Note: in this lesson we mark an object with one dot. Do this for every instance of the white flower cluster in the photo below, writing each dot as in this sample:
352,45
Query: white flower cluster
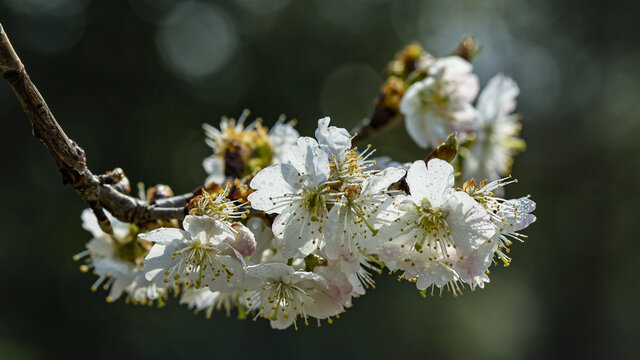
442,103
317,223
291,228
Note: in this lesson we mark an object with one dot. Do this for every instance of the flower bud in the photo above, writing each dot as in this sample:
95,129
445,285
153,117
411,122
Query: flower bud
244,241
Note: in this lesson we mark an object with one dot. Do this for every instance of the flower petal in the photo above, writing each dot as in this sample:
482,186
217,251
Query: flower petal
433,183
273,182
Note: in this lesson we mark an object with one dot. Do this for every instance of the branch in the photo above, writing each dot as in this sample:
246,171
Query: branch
99,191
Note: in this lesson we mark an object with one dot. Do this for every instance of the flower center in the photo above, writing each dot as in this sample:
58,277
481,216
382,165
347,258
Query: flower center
436,235
283,300
199,259
315,203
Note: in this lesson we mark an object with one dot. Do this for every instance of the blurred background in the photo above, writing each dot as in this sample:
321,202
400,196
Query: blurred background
132,82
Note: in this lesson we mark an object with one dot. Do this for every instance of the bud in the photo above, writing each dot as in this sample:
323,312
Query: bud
312,260
159,191
446,151
245,242
468,48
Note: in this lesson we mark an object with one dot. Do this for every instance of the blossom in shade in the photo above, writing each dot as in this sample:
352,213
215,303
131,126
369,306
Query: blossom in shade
254,146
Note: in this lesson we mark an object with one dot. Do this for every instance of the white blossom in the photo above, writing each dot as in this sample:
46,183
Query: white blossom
206,253
440,103
279,293
496,142
433,228
298,192
113,258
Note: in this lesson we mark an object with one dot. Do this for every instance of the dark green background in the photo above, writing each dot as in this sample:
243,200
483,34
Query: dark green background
111,74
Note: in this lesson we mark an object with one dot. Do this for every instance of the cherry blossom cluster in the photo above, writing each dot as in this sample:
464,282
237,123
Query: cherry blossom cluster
292,228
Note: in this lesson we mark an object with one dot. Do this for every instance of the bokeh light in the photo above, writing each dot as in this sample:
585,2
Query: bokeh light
196,39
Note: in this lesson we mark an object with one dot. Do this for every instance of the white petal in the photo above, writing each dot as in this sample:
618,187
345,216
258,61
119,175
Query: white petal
475,263
298,235
101,246
498,98
307,157
452,67
417,128
158,259
272,183
164,236
324,305
214,166
468,221
206,229
113,266
381,181
221,283
334,140
118,287
516,214
281,137
433,183
90,223
434,273
306,280
274,271
244,242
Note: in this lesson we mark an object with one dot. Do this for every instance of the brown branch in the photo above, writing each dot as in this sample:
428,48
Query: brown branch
99,191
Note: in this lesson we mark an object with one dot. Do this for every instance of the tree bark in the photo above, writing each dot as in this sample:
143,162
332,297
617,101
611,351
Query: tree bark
100,192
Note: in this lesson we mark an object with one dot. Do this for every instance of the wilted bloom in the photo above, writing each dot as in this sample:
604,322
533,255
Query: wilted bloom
253,147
